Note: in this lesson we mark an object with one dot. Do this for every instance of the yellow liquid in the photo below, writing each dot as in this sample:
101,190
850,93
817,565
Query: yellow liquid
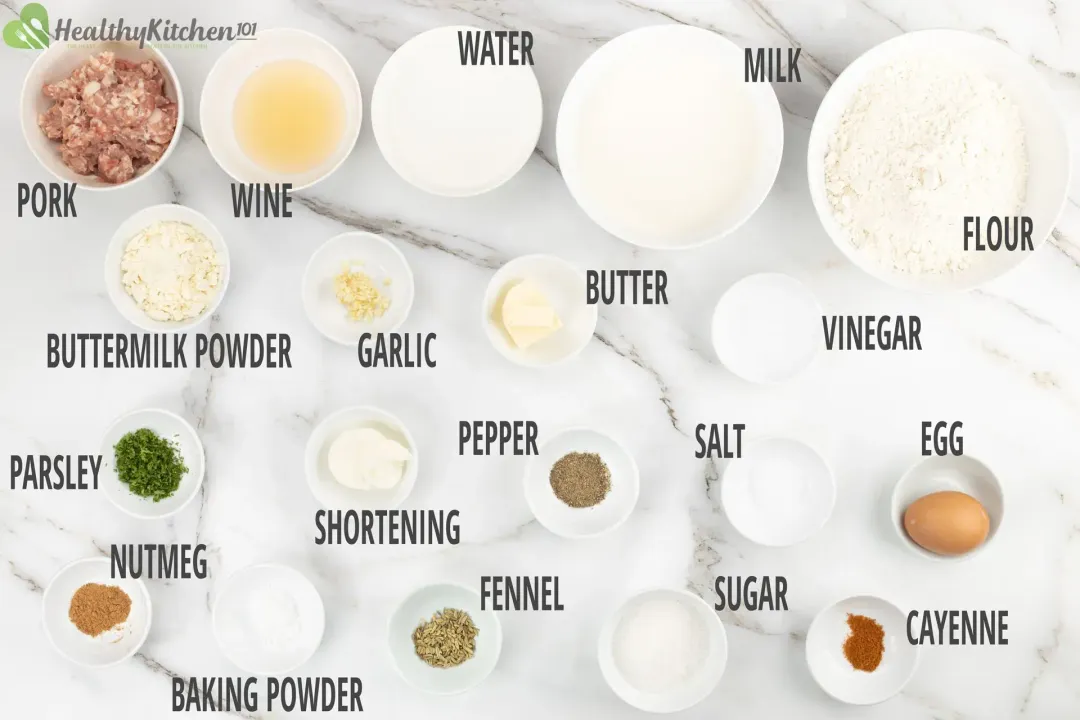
289,116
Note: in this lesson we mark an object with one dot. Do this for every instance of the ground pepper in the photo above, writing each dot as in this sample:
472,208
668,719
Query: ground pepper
865,645
580,480
96,608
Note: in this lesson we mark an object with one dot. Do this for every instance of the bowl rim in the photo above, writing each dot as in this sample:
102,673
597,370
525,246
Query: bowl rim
814,170
52,640
311,453
276,567
491,293
571,92
607,636
198,444
43,60
390,638
772,382
216,238
215,70
531,467
830,472
818,618
896,513
307,279
411,178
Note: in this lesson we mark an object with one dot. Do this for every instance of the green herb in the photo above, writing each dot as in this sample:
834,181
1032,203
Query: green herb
148,464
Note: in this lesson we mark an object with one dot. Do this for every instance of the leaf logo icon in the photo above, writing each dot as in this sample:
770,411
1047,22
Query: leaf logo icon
31,30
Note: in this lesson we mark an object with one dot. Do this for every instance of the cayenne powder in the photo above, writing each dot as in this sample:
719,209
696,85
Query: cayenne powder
96,608
866,643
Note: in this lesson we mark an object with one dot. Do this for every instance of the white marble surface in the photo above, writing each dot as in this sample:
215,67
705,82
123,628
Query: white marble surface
1005,360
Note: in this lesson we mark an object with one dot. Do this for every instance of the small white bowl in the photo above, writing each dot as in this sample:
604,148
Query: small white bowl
114,254
1049,166
419,607
698,687
381,260
171,427
651,56
237,632
56,63
564,286
779,493
440,144
832,671
333,494
110,647
936,474
569,522
234,67
767,328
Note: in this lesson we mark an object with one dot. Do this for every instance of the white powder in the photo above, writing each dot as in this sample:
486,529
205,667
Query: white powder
922,144
660,645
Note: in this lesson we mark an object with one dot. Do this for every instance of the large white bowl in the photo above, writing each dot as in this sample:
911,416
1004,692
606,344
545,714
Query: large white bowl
170,427
564,287
650,42
934,474
112,646
570,522
56,63
234,67
1047,146
381,260
825,652
333,494
231,615
698,687
436,139
114,254
419,607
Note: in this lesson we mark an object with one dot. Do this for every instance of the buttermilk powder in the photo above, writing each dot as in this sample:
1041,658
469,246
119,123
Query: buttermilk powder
922,144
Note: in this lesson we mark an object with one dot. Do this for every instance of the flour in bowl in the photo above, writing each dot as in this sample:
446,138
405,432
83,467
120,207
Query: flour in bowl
923,143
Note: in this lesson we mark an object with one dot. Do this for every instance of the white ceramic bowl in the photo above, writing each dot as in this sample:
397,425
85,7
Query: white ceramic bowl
439,143
333,494
936,474
633,59
697,687
237,627
56,63
234,67
569,522
170,427
114,254
381,260
112,646
419,607
1047,145
779,493
832,671
564,286
767,328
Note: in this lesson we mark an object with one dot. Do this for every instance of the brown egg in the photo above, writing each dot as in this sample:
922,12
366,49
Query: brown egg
947,523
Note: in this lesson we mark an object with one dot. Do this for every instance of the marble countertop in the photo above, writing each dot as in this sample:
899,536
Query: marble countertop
1004,359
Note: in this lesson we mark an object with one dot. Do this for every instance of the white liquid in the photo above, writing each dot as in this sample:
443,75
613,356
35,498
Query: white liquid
668,142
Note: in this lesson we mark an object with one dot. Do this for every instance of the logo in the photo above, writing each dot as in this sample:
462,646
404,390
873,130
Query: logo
31,30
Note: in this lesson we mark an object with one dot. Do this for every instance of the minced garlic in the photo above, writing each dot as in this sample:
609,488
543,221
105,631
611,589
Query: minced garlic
355,290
